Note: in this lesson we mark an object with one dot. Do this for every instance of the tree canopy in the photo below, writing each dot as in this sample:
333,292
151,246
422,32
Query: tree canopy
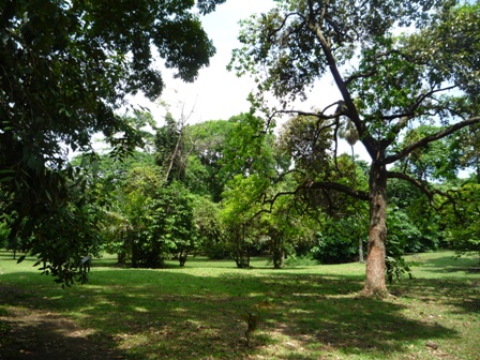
396,64
65,68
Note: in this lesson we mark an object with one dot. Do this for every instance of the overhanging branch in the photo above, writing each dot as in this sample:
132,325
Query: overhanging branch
330,185
430,138
430,193
285,18
327,185
418,184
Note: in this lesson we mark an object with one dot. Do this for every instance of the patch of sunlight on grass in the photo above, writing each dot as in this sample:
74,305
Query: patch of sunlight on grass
300,311
128,341
282,346
140,309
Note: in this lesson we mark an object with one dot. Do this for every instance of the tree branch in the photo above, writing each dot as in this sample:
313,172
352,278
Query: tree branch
361,195
320,115
274,31
418,184
430,138
411,112
353,114
430,193
359,76
330,185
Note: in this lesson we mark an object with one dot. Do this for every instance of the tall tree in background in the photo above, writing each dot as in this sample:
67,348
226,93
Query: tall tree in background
205,144
65,67
248,167
169,143
396,64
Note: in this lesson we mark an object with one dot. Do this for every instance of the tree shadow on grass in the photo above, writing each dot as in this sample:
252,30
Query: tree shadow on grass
36,335
463,295
450,264
175,315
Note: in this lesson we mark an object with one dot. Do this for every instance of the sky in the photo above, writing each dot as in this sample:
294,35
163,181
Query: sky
217,94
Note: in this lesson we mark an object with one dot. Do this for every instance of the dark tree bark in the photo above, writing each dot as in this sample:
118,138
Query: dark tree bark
278,258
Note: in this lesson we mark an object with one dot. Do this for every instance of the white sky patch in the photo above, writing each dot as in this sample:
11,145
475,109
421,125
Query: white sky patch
217,94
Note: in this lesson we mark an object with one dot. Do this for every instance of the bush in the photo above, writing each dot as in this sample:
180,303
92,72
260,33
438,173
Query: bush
336,243
403,235
306,260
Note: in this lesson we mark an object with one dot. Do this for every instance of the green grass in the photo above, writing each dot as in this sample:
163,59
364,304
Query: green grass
196,312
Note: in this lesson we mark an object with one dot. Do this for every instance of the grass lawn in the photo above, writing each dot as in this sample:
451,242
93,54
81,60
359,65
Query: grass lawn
197,312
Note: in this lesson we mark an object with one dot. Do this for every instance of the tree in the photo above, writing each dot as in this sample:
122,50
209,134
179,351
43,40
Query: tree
249,167
64,70
169,143
396,64
150,221
285,228
460,220
210,229
107,185
205,143
175,221
240,206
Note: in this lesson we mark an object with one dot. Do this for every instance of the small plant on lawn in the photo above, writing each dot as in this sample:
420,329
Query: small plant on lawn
252,317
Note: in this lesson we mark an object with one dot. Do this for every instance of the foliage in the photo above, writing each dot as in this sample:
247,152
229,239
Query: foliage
435,162
299,261
211,233
64,70
465,147
397,268
403,235
396,65
206,144
160,219
461,219
296,139
337,241
169,144
249,149
412,208
4,231
194,154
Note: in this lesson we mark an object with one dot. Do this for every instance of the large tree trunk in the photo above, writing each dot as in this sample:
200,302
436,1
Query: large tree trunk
375,284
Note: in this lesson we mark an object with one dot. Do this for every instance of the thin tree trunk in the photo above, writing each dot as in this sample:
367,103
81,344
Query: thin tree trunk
360,240
375,284
172,160
477,166
360,249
